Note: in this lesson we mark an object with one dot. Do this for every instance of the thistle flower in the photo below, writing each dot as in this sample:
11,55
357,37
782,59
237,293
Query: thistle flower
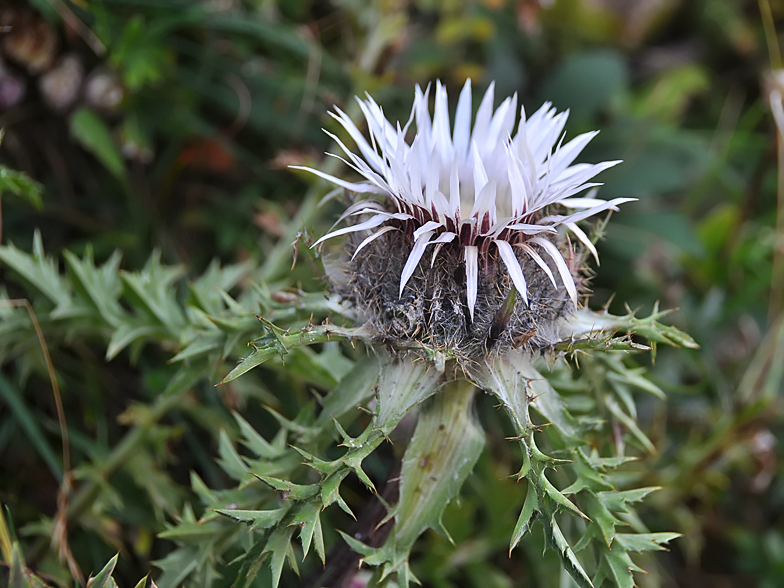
488,204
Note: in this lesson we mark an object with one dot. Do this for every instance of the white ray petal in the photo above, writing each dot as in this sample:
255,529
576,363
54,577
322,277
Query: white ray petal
515,271
413,259
516,183
378,125
480,175
445,237
362,168
368,224
442,207
578,216
485,202
581,202
528,229
539,261
565,194
560,264
368,152
329,196
359,165
368,118
494,133
374,205
382,212
442,139
502,124
431,181
429,226
569,152
579,174
358,188
439,242
372,238
423,112
471,253
524,153
580,234
454,193
483,116
435,254
463,122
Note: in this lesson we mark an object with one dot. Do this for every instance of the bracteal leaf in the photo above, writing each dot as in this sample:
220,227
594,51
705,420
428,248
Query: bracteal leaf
257,519
530,508
103,579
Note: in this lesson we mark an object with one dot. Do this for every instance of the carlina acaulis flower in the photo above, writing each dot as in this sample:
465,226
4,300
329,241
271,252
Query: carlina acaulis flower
459,240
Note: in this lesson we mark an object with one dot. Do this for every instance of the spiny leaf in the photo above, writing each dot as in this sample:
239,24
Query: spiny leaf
634,377
530,508
206,495
601,517
629,423
104,578
570,561
330,492
150,290
192,531
267,348
206,289
308,519
358,546
289,489
255,442
619,566
556,496
252,560
230,460
645,541
649,327
203,343
402,386
354,389
100,286
609,462
279,544
618,501
129,332
38,270
318,540
20,185
324,467
257,519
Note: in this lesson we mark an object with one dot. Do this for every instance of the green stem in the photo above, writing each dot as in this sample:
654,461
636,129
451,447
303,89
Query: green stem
444,449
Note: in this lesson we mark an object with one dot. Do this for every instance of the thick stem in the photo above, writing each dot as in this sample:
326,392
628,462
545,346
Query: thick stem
444,449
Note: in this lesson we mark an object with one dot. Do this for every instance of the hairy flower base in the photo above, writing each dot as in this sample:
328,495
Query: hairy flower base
432,313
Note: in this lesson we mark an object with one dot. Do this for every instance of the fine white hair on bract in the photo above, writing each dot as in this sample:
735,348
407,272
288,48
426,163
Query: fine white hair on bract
477,185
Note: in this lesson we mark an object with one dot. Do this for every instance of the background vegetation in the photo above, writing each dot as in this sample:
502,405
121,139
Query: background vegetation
154,136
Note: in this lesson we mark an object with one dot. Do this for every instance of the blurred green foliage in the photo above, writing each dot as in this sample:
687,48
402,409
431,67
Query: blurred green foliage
176,140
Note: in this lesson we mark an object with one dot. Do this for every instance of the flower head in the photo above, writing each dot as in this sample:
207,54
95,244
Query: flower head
474,195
